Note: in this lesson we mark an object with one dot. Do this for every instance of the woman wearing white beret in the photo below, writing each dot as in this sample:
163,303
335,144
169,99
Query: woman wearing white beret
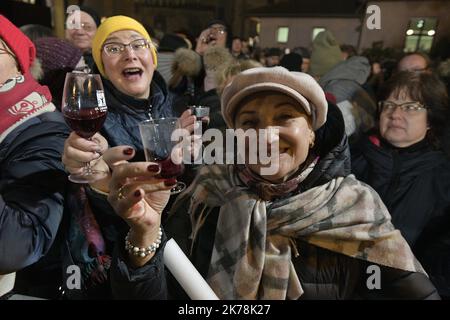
309,230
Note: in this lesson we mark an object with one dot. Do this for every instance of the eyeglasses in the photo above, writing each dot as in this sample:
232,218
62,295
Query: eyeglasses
116,48
219,30
6,51
71,25
212,32
408,107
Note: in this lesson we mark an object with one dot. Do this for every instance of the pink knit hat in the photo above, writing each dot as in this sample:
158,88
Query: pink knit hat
300,86
18,42
57,54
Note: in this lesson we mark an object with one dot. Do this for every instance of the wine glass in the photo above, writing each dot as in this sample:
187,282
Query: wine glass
84,109
200,112
158,145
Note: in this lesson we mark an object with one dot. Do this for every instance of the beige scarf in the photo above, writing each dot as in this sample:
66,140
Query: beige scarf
252,253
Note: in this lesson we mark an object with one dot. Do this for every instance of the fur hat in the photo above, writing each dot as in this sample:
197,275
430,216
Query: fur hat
216,58
298,85
186,63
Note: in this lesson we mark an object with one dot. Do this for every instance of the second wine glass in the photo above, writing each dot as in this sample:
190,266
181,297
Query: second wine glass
84,109
158,145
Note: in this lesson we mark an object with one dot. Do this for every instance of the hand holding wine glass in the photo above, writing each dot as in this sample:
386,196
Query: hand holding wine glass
84,109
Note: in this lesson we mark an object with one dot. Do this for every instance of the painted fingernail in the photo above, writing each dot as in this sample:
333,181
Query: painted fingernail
170,182
97,150
128,152
153,168
137,193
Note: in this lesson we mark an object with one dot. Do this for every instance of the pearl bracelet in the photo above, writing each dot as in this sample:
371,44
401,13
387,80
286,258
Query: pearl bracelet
142,252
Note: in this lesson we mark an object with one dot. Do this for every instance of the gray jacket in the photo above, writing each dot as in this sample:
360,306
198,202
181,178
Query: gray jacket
345,82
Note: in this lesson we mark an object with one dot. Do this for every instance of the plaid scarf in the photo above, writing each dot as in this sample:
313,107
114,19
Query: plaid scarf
269,191
252,253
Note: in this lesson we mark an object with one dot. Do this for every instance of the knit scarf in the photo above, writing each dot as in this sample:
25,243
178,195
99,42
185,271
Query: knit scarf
252,253
22,98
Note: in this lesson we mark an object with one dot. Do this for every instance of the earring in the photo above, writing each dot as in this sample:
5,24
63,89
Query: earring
311,143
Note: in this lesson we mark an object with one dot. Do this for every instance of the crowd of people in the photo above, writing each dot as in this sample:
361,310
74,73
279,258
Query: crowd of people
363,177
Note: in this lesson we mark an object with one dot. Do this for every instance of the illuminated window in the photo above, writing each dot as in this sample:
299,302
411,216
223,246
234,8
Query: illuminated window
316,31
420,34
283,34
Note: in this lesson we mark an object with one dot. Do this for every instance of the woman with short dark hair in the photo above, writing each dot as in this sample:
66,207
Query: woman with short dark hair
404,162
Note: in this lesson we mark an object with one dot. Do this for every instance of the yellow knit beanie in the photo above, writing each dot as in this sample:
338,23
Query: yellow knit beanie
111,25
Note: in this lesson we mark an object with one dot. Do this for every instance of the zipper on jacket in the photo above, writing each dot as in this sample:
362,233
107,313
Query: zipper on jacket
150,109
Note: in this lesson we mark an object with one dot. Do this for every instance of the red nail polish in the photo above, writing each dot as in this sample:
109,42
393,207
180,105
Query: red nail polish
170,182
153,168
128,152
137,193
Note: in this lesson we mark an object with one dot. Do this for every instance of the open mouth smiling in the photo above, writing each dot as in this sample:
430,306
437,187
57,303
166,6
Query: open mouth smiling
132,73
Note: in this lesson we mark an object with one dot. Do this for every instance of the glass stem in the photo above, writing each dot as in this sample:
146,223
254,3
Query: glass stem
87,167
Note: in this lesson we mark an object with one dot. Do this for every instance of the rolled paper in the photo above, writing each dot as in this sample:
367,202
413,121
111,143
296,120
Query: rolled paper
186,274
7,283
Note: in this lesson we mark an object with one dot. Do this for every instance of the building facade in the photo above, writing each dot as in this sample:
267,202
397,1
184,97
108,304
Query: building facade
407,25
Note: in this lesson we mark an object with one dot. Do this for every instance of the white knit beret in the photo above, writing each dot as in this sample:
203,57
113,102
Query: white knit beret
300,86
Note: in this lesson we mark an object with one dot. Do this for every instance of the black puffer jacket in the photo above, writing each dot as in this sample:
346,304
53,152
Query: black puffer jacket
33,184
414,183
323,274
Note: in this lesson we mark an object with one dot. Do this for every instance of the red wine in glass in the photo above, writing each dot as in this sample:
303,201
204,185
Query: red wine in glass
169,170
86,122
157,139
84,109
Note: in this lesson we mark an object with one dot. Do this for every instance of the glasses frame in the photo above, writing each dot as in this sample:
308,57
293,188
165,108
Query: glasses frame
88,27
125,45
403,106
85,26
219,30
5,50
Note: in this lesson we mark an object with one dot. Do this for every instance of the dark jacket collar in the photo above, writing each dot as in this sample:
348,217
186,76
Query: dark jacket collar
333,150
159,103
411,160
421,146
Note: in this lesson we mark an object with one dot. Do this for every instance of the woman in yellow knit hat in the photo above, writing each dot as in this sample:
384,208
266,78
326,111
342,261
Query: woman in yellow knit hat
126,59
